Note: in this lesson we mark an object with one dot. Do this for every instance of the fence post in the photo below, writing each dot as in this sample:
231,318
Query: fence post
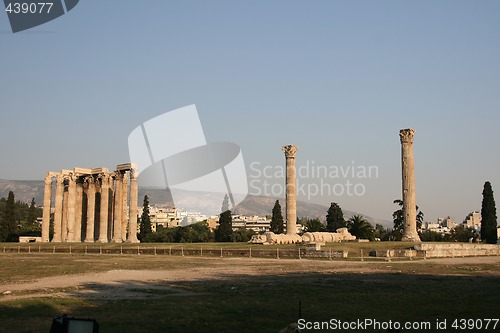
138,250
19,249
100,249
121,249
201,250
29,248
250,255
70,249
299,254
182,251
54,250
155,250
277,253
221,252
85,249
170,251
39,249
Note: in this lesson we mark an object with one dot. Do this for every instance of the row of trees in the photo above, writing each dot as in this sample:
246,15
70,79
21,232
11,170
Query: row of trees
18,219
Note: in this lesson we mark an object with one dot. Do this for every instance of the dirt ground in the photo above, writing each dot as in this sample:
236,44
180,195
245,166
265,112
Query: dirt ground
133,284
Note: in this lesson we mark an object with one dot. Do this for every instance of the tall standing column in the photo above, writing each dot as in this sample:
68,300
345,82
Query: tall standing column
103,223
117,215
71,207
47,194
291,190
409,197
89,238
79,211
58,209
64,226
134,196
124,206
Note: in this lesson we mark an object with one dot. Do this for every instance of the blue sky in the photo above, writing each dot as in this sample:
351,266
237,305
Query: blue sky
337,78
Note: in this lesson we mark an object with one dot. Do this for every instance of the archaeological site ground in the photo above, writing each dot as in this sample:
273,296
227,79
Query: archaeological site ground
202,292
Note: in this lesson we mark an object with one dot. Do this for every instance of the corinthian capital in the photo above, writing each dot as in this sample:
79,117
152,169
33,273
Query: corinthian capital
406,135
290,151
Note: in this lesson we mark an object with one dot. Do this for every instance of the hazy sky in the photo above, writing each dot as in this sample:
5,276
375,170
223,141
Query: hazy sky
337,78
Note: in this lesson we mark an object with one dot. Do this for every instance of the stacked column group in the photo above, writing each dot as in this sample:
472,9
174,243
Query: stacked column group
92,205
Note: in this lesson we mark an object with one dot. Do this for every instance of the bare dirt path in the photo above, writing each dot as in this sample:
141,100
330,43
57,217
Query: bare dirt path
121,284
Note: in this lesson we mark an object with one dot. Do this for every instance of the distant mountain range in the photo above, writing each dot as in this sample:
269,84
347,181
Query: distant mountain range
25,190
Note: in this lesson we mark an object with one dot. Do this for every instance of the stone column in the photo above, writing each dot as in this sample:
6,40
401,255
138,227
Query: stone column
291,190
117,220
64,226
47,195
89,236
58,209
409,198
124,206
71,207
103,223
134,197
79,211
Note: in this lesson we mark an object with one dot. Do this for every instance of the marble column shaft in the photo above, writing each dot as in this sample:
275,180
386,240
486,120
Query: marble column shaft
408,184
58,209
78,212
124,206
47,196
291,190
71,208
103,223
89,237
134,196
117,215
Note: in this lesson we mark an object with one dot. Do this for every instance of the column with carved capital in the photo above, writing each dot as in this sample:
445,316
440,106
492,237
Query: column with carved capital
117,215
291,189
71,207
410,233
64,226
134,197
47,194
89,235
78,210
58,209
124,206
103,223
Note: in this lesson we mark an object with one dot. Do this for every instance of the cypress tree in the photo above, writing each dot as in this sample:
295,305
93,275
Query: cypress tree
145,224
31,221
277,219
10,219
224,231
335,218
488,216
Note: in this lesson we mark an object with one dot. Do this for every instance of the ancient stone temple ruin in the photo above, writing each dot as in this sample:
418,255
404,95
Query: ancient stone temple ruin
92,205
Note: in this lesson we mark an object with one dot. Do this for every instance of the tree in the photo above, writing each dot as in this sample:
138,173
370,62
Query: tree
334,218
358,226
10,232
31,221
314,225
488,216
398,219
145,221
224,231
277,219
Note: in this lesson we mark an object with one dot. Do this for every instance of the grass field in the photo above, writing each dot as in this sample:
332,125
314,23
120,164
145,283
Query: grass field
211,294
